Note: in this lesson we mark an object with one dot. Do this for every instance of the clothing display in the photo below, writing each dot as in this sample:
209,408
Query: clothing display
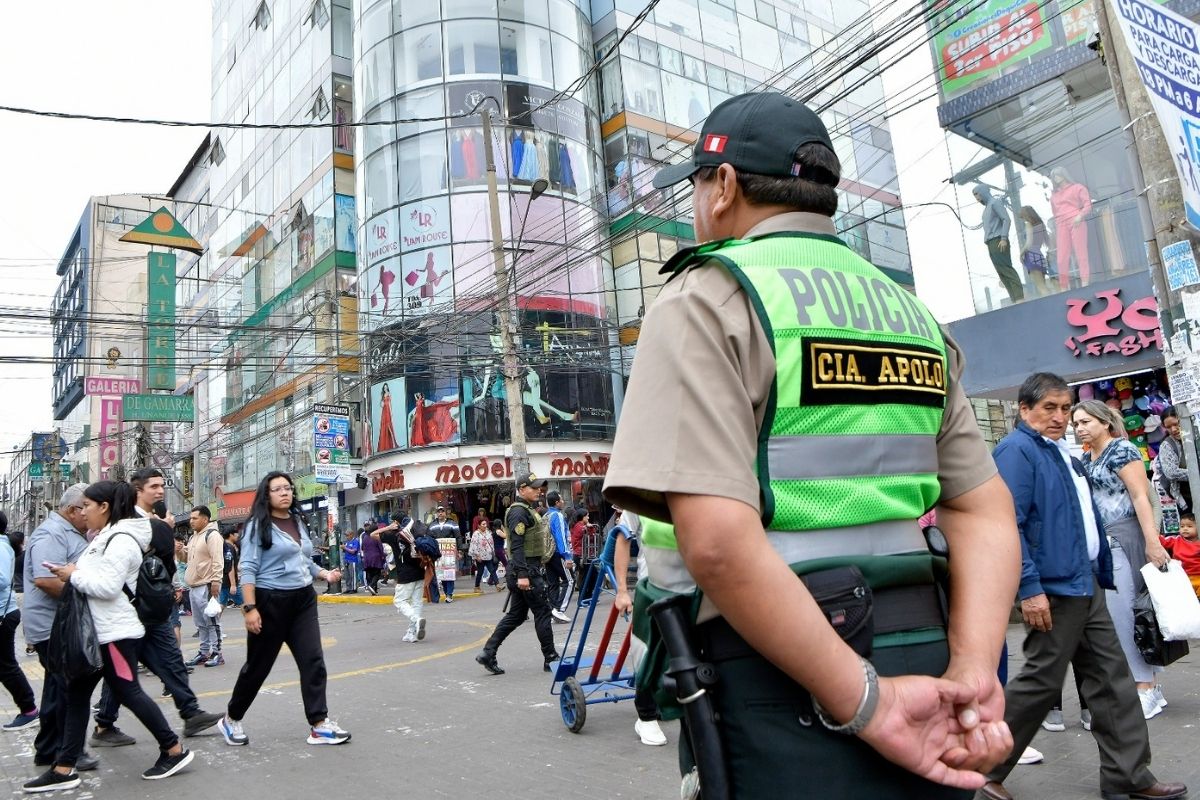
530,166
432,423
518,150
1141,400
1070,204
387,429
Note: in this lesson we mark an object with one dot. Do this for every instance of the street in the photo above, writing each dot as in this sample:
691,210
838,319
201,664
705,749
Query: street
428,720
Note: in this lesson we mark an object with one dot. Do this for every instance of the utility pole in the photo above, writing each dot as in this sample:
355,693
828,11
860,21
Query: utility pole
1154,169
507,310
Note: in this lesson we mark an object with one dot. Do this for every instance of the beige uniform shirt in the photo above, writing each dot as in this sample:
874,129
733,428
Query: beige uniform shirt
698,393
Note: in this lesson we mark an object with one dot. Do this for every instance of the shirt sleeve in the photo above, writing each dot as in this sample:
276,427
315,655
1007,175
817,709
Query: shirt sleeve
963,459
250,556
697,395
1123,452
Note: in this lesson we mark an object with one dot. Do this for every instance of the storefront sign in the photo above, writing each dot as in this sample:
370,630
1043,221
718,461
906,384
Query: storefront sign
160,318
160,407
382,237
1110,325
975,42
331,443
485,469
1165,47
111,387
110,434
235,505
425,224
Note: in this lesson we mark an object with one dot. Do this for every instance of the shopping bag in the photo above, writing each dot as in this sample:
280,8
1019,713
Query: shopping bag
74,650
1175,602
1156,650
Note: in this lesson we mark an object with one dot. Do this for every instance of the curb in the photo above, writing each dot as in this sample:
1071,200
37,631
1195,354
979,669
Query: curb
352,599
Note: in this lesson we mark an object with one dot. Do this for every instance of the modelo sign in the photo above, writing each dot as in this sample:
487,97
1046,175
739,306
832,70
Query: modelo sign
486,470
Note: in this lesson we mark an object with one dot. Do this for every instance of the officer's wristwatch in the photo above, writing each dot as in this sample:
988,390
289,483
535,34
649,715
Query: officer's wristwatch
246,609
866,707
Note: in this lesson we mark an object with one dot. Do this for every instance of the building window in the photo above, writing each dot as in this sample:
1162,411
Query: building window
318,15
320,106
262,17
217,154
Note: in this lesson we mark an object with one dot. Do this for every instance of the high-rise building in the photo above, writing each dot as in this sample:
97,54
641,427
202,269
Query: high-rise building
268,312
591,98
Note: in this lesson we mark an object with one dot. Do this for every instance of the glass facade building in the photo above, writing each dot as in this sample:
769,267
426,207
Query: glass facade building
267,313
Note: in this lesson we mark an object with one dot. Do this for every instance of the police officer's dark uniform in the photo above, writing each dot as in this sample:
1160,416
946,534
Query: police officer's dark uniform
528,543
767,373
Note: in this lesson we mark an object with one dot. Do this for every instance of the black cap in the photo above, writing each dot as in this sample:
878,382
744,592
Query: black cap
530,479
758,132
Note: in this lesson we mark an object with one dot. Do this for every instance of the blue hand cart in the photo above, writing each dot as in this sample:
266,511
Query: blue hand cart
580,682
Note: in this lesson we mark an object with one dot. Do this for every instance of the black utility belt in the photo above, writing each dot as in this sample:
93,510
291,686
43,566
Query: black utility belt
857,613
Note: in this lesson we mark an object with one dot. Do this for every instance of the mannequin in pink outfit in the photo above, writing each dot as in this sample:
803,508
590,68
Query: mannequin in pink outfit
1070,204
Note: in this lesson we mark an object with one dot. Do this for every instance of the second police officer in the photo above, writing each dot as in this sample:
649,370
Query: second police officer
529,543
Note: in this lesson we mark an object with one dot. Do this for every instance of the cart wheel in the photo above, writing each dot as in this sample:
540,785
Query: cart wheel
573,705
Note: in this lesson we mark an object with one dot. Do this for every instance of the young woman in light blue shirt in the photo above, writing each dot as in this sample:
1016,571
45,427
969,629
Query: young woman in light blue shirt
277,570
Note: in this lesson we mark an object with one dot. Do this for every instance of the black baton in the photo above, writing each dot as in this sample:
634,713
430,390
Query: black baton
691,680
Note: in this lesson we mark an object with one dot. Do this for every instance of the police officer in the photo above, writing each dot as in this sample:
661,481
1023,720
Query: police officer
529,544
792,411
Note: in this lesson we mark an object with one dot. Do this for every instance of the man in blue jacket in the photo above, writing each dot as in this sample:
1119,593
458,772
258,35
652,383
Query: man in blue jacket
1065,565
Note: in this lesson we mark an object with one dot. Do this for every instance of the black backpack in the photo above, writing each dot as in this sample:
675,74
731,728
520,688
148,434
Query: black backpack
155,594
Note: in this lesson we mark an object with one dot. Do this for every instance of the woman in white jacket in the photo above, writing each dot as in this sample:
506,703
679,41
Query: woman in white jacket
106,569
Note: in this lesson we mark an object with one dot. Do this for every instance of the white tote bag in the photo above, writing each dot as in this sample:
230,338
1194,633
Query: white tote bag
1175,602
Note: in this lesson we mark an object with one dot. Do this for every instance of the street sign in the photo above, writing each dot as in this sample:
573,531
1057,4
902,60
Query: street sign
160,407
65,470
331,443
35,469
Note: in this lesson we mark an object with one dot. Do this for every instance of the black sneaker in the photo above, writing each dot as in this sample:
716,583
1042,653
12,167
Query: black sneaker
488,660
111,737
168,765
550,659
200,721
51,781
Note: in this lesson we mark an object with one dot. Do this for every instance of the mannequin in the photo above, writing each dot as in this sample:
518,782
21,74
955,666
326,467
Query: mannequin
1070,204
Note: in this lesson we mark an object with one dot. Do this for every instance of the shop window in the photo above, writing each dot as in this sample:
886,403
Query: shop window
415,12
418,54
643,94
380,178
467,157
534,12
376,26
472,47
428,103
570,63
377,75
720,27
455,9
423,167
525,52
687,101
563,15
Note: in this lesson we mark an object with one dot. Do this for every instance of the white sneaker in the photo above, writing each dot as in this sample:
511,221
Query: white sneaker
420,629
1054,721
328,732
1150,706
1031,756
1085,719
409,637
231,729
650,733
558,615
1162,701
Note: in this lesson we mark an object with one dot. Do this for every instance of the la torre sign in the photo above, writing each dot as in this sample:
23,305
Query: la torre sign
466,471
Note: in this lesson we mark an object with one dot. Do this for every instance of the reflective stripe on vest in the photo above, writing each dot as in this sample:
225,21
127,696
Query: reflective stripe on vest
847,457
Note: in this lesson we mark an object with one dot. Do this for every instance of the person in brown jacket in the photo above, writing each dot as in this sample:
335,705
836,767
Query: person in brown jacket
203,577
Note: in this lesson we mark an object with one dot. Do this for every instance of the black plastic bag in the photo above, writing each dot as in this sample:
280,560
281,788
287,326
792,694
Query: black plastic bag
74,650
1149,639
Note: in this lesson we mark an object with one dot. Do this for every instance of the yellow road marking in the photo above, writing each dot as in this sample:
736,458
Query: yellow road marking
453,651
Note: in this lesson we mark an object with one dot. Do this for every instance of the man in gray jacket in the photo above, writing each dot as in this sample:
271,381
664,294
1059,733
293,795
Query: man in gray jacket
58,540
995,236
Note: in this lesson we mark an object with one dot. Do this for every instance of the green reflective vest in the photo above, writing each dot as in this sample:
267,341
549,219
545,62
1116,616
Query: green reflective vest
847,454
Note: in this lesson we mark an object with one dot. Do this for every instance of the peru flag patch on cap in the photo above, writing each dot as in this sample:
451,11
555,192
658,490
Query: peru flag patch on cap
714,143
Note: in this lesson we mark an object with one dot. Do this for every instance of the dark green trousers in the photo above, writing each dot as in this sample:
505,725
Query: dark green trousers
776,747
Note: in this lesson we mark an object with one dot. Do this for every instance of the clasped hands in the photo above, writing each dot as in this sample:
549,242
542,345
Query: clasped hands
949,730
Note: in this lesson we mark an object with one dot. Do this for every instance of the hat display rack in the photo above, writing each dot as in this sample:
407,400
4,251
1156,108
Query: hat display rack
1141,400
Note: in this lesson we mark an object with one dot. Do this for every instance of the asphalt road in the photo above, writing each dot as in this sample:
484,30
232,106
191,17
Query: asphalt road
428,721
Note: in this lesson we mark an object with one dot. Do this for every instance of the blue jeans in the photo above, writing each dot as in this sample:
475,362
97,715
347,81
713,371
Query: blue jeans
159,651
226,595
483,566
447,588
